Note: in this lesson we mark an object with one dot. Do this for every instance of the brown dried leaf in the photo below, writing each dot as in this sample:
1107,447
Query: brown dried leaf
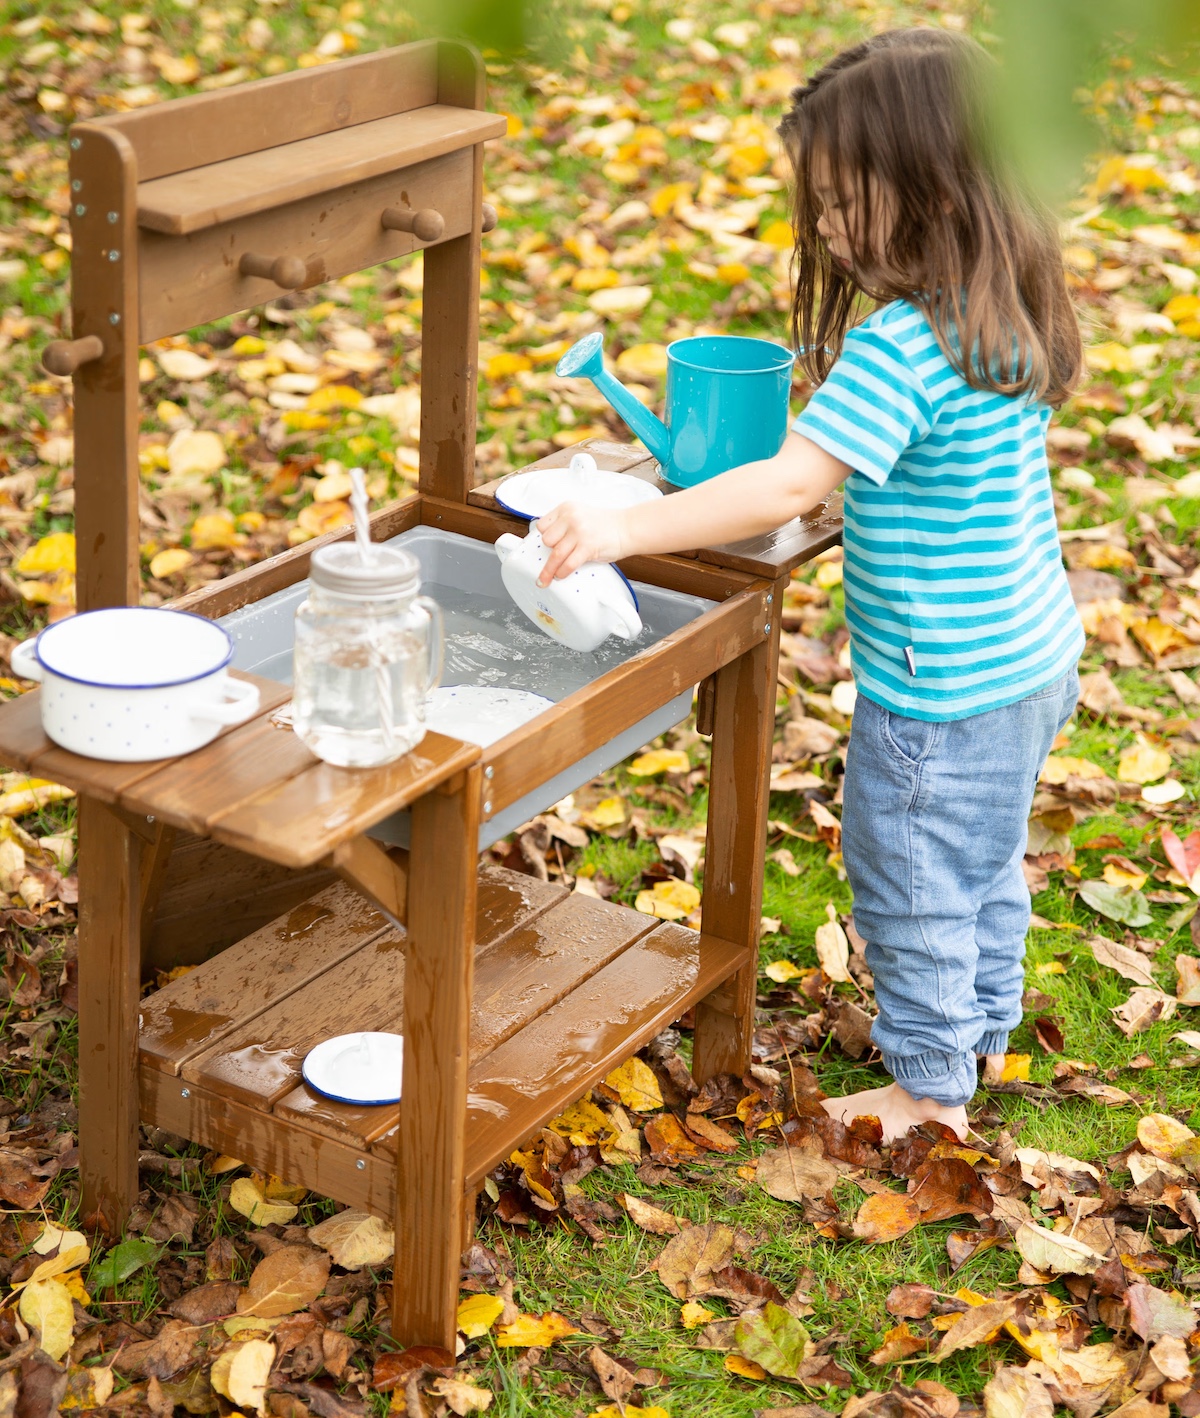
947,1187
649,1218
793,1173
1054,1252
668,1143
1187,972
614,1378
1013,1393
207,1303
1129,963
899,1343
1153,1313
911,1302
1163,1135
709,1134
886,1216
687,1263
978,1325
285,1281
1142,1009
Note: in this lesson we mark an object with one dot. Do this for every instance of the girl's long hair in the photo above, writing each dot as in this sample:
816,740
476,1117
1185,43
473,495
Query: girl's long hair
903,119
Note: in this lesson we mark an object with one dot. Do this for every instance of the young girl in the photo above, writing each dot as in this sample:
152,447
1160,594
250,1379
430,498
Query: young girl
933,412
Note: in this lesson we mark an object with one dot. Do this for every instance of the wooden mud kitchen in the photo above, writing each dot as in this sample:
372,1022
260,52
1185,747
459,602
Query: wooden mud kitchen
252,859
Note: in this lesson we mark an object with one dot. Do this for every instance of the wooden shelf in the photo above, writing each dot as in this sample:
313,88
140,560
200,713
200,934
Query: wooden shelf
566,987
256,182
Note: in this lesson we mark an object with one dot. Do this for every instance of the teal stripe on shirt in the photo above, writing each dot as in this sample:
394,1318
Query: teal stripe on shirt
951,545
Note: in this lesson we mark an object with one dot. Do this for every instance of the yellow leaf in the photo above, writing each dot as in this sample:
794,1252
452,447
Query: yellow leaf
53,553
70,1259
648,361
215,530
478,1313
1050,967
335,486
733,272
1116,877
241,1371
591,279
55,1238
1058,768
1182,307
526,1331
583,1123
781,971
669,900
744,1368
693,1315
334,396
321,517
195,452
1143,764
301,420
185,364
659,760
1109,358
60,591
1016,1068
463,1397
246,345
829,574
637,1086
1163,1135
247,1198
667,199
779,235
608,812
621,300
170,562
505,365
250,521
74,1283
1158,636
46,1307
355,1239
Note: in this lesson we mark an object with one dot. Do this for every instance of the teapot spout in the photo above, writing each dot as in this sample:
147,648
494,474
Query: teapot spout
586,358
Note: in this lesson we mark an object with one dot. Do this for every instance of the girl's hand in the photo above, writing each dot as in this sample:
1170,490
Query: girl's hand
576,534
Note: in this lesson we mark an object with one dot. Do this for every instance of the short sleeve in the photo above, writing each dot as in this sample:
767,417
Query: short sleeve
871,407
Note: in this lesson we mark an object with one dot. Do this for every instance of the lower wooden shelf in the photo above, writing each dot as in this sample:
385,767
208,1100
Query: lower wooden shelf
566,988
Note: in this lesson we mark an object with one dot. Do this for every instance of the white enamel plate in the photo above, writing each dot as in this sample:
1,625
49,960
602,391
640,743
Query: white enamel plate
480,713
540,490
363,1068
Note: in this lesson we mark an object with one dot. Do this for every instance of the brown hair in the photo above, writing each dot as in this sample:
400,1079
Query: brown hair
905,115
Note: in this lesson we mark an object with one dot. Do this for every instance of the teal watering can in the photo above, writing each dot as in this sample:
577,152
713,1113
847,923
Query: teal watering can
727,402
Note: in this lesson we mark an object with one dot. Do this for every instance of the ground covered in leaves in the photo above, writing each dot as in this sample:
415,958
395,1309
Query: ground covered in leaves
657,1248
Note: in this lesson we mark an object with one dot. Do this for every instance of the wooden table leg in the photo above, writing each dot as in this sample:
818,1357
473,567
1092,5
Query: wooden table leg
439,961
109,970
739,782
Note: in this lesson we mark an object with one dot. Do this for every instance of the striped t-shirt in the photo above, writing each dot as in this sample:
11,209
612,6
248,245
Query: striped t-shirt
956,598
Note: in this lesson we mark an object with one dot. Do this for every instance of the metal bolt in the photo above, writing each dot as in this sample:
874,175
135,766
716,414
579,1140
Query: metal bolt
79,209
149,815
767,628
112,216
361,1165
115,319
487,807
114,255
76,144
77,185
187,1093
770,597
489,772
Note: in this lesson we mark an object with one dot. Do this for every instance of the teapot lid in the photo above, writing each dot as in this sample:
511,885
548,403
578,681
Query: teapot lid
388,572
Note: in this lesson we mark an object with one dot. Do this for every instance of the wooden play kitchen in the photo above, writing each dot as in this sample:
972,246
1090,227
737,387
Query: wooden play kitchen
252,859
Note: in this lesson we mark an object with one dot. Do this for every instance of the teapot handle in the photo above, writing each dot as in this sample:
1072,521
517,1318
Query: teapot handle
437,640
628,623
506,544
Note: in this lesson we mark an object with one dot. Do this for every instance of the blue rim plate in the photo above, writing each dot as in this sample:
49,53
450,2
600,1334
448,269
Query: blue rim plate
54,632
638,489
318,1057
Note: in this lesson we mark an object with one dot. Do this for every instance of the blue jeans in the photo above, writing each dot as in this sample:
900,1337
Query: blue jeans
933,833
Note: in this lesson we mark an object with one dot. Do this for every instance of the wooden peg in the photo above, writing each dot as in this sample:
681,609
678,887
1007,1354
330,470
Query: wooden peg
64,357
490,217
286,271
425,225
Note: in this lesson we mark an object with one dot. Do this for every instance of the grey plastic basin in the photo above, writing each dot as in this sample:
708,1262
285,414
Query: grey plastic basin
489,641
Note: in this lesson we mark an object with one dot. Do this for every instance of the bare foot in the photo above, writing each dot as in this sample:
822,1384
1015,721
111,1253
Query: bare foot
993,1068
896,1110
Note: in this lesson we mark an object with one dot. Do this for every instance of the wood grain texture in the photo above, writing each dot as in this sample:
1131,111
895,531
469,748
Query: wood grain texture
189,1015
187,280
379,873
302,820
243,186
109,963
738,792
430,1152
22,738
104,297
208,128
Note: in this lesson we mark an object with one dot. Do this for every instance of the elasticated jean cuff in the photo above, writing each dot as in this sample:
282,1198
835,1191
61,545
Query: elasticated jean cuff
995,1042
948,1079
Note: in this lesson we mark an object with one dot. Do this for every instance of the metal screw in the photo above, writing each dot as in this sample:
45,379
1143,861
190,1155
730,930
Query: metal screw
187,1093
76,144
115,319
487,807
114,255
77,185
112,216
149,815
361,1165
489,772
79,209
770,597
767,628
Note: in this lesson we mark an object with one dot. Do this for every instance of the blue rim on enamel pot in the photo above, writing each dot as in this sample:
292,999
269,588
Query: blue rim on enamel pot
134,647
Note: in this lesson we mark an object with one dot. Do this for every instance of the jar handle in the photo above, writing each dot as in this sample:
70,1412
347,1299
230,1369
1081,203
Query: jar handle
437,640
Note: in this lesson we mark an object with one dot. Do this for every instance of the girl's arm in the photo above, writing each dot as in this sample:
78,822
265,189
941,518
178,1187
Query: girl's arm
744,502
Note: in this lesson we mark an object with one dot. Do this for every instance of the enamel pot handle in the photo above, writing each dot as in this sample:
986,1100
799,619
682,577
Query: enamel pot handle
241,704
24,660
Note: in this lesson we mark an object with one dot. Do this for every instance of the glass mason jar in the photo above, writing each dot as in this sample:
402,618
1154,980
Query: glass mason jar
368,650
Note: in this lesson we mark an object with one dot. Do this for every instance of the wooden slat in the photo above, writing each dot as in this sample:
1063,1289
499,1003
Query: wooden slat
109,961
97,777
188,280
216,780
517,977
252,584
301,821
597,713
272,177
739,772
225,993
256,1057
208,128
329,1168
380,873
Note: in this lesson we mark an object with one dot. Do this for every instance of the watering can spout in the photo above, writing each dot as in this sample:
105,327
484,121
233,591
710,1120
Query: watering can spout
586,359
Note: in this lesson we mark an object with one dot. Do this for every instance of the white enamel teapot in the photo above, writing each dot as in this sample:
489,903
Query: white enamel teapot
581,610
